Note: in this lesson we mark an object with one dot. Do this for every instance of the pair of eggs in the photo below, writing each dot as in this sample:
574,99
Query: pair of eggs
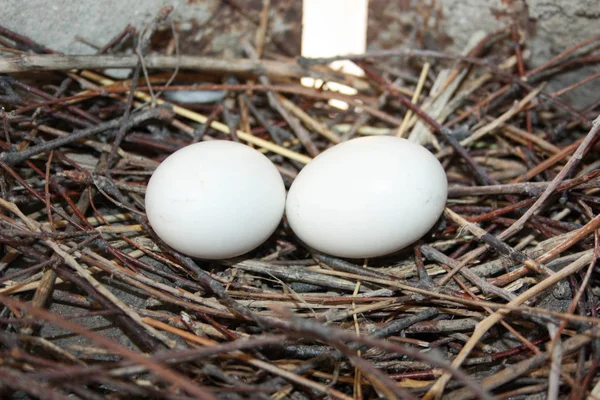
362,198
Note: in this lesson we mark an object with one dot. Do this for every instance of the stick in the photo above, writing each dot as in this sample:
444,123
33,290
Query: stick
486,324
11,158
275,69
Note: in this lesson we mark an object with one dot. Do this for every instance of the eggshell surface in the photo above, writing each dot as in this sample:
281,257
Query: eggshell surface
367,197
215,199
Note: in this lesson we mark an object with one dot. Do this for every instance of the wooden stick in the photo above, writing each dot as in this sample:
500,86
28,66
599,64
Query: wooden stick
415,98
276,69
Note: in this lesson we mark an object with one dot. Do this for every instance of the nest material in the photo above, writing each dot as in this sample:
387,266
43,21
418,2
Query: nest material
498,299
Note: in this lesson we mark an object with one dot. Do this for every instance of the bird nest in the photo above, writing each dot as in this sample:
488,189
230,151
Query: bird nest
498,299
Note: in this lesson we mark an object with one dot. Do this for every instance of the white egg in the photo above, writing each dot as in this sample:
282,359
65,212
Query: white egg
215,199
367,197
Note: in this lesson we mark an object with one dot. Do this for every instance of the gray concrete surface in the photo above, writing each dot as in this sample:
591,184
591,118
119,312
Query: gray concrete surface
56,23
555,26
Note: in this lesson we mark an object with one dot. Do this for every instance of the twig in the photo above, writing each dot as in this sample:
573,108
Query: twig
156,368
485,286
415,98
490,321
509,374
194,116
276,103
532,189
11,158
497,244
274,69
573,161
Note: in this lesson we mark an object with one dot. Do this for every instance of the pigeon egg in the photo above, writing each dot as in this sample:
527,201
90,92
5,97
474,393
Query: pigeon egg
215,199
367,197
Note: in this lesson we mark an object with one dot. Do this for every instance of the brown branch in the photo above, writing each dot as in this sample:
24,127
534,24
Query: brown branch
11,158
274,69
